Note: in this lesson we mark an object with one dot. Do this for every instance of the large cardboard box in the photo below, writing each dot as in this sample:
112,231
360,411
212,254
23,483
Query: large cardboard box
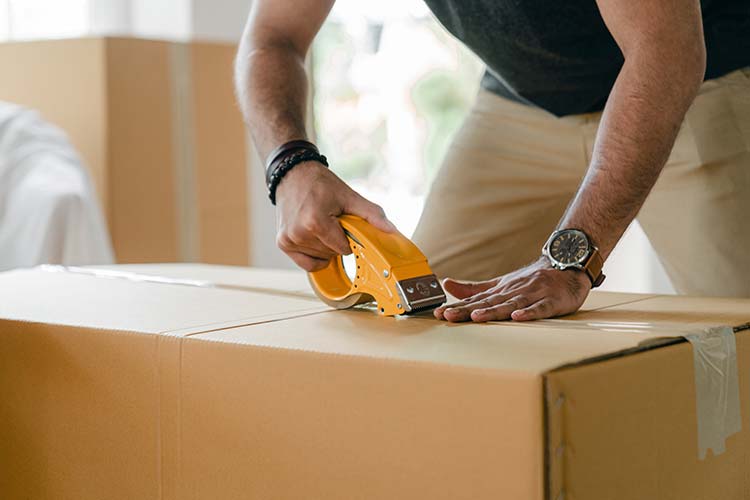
201,382
157,124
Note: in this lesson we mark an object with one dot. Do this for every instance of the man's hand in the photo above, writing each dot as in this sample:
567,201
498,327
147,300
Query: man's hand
536,291
309,199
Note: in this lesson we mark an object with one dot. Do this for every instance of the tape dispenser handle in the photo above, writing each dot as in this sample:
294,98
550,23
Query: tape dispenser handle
332,284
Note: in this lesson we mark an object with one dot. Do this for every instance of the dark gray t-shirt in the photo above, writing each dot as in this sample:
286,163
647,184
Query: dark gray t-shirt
559,55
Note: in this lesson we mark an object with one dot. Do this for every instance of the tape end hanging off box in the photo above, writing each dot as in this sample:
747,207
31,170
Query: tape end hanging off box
717,394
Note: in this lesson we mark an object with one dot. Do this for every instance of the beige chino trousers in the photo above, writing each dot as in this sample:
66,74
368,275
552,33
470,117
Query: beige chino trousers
512,170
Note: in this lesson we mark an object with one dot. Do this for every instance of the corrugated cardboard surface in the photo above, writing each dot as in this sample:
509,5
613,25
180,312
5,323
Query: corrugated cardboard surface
153,120
140,156
220,158
119,388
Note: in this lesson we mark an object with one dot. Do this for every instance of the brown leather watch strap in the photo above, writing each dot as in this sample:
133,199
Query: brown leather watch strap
593,268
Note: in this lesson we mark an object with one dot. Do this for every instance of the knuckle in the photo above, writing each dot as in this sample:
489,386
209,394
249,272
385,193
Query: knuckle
519,301
311,224
543,307
542,277
317,265
282,241
309,266
479,301
297,234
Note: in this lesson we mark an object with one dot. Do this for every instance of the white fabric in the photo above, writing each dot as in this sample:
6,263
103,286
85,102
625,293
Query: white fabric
49,212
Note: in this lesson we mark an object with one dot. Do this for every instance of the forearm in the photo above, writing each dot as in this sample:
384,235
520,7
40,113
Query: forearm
635,137
272,90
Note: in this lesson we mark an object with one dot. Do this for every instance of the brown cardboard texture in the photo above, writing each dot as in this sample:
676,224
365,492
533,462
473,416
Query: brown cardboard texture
220,382
158,126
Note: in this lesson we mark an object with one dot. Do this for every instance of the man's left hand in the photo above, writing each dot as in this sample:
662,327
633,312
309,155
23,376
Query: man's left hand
536,291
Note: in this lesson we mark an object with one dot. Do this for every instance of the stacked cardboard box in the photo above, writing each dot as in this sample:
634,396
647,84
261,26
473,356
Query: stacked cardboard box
201,382
157,124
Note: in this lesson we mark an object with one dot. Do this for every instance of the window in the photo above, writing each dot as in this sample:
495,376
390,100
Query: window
24,19
391,88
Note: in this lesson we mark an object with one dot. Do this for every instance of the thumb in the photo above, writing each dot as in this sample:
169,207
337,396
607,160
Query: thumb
464,289
370,212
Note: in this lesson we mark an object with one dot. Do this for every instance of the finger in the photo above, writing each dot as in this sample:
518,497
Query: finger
501,311
440,311
303,241
485,300
372,213
308,263
323,253
316,252
333,237
464,289
494,296
463,312
544,308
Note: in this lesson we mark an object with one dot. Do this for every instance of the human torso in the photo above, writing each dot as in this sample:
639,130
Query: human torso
561,57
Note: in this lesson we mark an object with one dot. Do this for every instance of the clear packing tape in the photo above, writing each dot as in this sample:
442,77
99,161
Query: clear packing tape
153,278
714,356
717,394
716,387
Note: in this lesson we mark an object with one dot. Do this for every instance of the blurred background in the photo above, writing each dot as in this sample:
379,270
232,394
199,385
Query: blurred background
130,104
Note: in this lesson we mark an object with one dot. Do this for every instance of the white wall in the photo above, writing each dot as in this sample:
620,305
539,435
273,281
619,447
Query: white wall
219,20
169,19
4,20
29,19
110,17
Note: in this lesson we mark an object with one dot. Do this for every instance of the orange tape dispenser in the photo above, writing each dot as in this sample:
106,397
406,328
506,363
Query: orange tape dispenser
390,270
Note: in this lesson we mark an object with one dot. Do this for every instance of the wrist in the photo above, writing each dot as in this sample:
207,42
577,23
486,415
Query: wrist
572,249
579,275
286,163
303,174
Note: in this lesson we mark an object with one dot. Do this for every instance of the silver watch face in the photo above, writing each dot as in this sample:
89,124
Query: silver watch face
569,247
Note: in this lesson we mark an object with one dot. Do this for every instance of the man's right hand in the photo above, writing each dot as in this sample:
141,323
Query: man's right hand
272,88
309,200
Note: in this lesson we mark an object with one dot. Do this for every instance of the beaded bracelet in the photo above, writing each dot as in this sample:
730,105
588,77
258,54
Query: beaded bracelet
289,163
278,154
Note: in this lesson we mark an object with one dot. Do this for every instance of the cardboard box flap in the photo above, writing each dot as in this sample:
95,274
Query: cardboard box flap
77,299
669,310
189,299
535,348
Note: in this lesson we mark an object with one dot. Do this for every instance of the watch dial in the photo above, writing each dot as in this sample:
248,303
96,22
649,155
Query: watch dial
570,247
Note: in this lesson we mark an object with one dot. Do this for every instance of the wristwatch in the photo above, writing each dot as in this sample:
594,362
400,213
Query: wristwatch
572,249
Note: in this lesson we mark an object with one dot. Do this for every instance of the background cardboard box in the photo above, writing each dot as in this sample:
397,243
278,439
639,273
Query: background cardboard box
157,124
214,382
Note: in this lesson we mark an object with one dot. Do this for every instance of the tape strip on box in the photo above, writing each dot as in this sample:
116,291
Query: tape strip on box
716,388
152,278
